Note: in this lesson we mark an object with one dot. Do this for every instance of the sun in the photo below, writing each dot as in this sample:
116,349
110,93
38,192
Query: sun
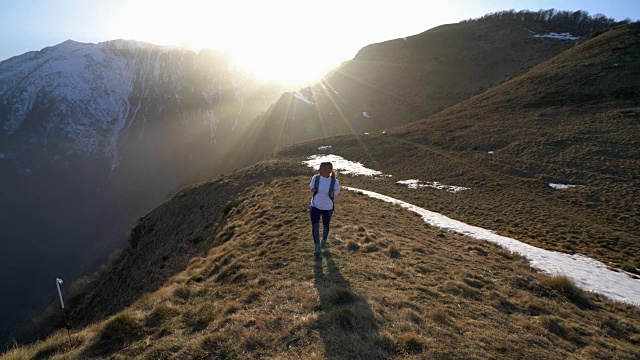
284,65
284,45
291,41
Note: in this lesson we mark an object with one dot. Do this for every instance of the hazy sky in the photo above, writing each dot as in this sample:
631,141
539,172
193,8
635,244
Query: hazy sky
290,40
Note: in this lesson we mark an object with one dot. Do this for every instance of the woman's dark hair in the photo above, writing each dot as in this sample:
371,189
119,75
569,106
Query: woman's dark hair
330,166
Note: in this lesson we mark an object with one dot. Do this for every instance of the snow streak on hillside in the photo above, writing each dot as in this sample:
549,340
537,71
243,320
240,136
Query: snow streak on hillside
301,96
561,36
415,184
562,186
588,273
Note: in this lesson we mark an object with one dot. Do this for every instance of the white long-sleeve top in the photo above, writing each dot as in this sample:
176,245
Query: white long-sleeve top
321,200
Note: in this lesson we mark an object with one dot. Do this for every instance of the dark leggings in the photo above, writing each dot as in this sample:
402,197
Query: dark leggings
315,223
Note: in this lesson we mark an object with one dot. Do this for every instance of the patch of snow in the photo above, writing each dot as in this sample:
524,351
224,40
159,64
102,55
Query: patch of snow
490,152
366,133
563,186
365,114
300,96
415,183
325,147
560,36
533,32
405,39
587,273
340,163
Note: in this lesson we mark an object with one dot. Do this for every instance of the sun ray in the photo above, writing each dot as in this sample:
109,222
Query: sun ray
340,112
326,85
395,96
284,121
347,123
317,107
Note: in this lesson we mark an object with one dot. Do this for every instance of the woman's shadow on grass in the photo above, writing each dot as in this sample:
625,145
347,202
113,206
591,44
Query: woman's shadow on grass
347,323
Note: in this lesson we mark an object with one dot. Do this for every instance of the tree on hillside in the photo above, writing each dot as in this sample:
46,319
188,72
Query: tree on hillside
578,22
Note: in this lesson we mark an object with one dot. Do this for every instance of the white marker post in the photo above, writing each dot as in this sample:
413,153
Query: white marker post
66,323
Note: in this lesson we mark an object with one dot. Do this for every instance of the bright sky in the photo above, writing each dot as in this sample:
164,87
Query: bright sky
289,40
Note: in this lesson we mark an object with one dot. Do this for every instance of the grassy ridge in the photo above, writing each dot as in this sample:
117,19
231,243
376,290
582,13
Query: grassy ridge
404,290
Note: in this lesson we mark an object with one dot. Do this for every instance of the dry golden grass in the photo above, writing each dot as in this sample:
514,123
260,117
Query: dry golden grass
567,288
261,293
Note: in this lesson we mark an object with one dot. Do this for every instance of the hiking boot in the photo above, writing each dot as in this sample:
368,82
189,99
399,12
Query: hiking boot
323,243
317,251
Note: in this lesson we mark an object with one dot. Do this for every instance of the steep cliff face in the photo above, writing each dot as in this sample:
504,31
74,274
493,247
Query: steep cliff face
93,135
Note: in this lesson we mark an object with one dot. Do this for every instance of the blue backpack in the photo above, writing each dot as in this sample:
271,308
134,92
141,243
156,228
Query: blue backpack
316,185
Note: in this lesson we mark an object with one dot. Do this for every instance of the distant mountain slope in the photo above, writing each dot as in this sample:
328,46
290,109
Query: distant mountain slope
399,81
571,120
596,77
93,135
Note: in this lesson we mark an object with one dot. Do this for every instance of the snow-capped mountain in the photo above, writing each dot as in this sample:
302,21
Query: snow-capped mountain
77,98
79,90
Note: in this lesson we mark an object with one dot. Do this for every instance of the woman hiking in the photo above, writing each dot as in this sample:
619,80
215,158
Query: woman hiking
324,187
